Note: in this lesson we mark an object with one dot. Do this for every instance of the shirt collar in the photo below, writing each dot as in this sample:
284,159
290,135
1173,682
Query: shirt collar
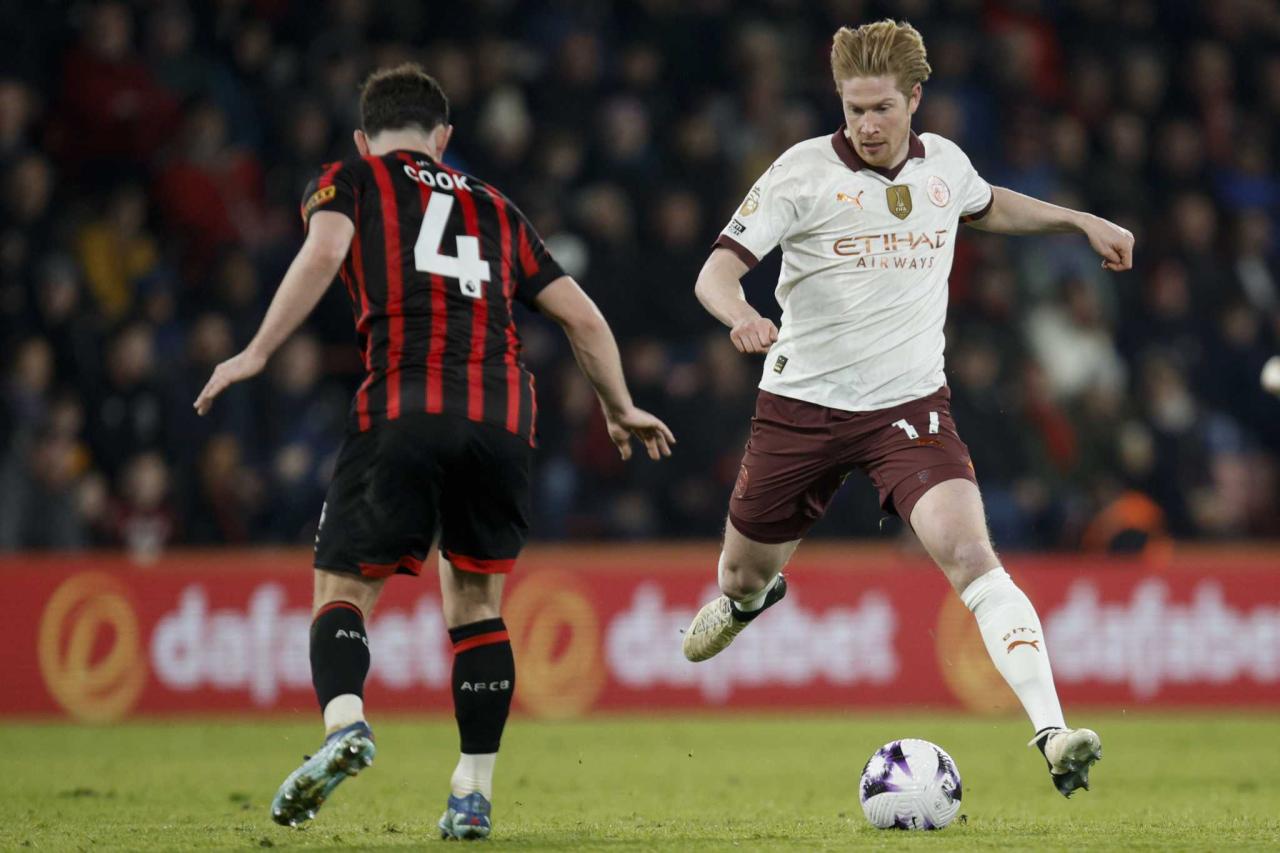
846,153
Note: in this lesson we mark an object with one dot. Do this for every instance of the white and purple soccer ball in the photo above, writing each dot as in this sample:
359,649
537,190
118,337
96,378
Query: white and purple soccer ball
910,784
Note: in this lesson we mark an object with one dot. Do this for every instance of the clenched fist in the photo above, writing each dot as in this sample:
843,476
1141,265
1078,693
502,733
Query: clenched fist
1113,243
754,336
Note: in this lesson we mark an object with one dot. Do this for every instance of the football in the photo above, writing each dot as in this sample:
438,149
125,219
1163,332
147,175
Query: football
910,784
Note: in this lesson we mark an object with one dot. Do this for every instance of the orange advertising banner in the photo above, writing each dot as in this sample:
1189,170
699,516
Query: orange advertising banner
98,638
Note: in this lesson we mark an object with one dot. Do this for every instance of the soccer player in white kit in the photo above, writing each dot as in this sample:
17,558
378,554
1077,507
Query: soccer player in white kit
867,220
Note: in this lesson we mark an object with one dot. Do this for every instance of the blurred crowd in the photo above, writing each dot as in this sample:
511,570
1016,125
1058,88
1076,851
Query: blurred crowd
153,157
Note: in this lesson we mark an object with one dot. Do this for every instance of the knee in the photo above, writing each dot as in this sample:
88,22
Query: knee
739,580
467,612
469,597
332,586
967,560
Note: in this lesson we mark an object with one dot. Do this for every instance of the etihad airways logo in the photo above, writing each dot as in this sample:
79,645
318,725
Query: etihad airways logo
892,250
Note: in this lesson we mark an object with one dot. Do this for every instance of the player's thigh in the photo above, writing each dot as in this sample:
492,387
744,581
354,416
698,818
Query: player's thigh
908,450
787,478
950,522
746,564
485,502
382,508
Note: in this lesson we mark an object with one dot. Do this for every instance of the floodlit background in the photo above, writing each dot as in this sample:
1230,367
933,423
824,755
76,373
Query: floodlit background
156,565
154,155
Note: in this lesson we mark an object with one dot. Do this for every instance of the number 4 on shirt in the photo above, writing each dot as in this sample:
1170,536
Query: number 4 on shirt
467,266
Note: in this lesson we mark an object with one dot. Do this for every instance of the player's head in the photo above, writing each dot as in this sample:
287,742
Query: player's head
879,69
403,99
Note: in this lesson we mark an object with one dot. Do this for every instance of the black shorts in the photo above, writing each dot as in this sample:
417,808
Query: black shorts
402,483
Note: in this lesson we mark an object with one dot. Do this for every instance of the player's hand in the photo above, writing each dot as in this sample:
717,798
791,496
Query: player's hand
1113,243
754,336
653,433
238,368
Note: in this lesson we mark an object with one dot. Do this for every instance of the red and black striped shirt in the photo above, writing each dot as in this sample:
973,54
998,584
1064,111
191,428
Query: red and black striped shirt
437,258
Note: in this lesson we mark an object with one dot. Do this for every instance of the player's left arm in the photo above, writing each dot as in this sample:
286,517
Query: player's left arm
309,276
1015,213
597,354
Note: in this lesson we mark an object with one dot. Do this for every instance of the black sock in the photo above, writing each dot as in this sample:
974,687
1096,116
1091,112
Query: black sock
339,651
484,679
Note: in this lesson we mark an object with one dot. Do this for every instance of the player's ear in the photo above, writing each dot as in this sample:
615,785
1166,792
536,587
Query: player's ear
362,142
443,134
913,102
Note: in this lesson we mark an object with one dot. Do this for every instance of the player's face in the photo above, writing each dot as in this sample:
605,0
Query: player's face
879,118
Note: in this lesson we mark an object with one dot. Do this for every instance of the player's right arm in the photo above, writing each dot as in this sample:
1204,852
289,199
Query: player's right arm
328,215
597,353
769,213
719,289
328,239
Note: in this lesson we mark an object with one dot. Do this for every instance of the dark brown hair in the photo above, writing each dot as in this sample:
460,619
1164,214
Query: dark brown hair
402,97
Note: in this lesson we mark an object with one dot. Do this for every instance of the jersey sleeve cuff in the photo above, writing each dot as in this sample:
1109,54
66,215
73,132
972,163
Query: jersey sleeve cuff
306,220
724,241
986,208
528,290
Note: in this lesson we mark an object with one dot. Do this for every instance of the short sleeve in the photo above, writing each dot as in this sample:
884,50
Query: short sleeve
765,217
334,189
976,196
535,268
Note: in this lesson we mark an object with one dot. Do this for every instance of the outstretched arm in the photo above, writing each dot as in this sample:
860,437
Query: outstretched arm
719,289
597,354
328,238
1015,213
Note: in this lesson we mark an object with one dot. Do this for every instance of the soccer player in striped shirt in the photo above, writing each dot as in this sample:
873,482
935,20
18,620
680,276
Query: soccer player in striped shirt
441,432
867,219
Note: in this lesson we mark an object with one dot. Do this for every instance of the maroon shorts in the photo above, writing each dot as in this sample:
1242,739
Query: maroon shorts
799,453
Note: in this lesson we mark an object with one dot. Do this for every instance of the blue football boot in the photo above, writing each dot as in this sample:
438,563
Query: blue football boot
345,753
466,818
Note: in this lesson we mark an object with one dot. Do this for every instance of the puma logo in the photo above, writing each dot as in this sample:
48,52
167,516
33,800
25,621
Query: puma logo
1035,644
851,199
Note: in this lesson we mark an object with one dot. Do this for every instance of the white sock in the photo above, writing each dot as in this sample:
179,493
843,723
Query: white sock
342,711
1014,639
474,773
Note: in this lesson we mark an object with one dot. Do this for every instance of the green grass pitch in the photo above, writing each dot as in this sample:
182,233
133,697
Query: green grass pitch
1195,782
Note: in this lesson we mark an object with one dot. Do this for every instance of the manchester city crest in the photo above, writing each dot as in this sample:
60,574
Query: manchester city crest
939,192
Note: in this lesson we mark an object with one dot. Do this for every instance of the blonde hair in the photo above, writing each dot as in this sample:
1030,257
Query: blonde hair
885,48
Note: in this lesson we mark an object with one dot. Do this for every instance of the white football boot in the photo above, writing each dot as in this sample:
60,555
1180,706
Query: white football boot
1070,753
717,623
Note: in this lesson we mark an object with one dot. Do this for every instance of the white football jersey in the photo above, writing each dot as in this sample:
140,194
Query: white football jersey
865,258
